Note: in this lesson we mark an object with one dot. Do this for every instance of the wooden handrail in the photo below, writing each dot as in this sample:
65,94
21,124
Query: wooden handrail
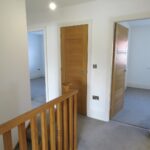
66,114
28,115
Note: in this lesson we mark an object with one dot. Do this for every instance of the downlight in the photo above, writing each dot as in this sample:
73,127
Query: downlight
52,5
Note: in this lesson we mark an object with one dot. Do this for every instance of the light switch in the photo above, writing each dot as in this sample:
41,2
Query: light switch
95,97
94,66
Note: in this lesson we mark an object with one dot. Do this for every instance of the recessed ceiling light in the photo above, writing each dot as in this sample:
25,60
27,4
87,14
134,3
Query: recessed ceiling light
52,5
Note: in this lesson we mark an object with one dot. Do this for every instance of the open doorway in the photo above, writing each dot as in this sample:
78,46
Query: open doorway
135,107
37,67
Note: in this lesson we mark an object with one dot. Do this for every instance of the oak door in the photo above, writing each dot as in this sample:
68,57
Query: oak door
119,69
74,45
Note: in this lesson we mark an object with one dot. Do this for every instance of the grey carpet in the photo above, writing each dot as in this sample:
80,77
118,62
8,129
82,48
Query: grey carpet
97,135
38,92
136,109
36,103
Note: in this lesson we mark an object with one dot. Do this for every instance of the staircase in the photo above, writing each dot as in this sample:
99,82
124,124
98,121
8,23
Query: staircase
51,126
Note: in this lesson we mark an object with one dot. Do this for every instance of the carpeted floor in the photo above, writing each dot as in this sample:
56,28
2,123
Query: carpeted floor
97,135
136,109
38,93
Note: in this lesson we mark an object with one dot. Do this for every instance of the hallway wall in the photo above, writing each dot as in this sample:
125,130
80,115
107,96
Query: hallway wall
14,74
36,55
139,57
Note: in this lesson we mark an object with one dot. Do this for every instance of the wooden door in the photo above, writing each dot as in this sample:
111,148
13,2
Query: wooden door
74,45
119,68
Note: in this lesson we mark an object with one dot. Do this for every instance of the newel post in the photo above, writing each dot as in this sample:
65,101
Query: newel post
70,114
66,86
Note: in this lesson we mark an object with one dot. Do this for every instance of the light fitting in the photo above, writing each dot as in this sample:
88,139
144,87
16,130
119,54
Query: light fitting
52,5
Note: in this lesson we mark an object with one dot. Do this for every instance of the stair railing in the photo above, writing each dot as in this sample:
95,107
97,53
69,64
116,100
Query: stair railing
59,132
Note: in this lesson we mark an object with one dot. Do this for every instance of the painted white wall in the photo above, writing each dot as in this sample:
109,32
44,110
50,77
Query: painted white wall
36,55
101,14
139,58
53,62
14,74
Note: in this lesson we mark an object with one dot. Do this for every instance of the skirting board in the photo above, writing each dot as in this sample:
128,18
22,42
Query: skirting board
138,85
36,75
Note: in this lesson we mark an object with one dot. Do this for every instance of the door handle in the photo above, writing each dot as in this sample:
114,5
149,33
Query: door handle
125,70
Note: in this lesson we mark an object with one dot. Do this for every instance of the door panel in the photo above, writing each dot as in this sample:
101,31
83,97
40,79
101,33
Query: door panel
119,67
74,43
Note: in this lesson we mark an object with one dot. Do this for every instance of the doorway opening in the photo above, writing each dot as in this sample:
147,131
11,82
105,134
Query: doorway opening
37,67
130,99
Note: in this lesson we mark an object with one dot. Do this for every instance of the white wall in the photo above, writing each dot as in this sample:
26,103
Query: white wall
14,74
139,58
101,14
53,62
36,55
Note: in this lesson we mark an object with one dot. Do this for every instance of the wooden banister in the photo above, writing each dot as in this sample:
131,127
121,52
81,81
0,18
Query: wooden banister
7,138
75,122
44,131
22,136
66,125
52,128
62,133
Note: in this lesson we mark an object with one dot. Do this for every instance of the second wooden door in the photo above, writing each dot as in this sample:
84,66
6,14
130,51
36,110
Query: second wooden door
119,69
74,45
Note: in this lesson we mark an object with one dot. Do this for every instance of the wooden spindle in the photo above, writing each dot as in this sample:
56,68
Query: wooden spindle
65,124
70,123
44,131
75,121
59,127
7,139
22,137
34,134
52,129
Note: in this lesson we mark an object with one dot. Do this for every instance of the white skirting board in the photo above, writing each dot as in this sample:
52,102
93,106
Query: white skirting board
138,85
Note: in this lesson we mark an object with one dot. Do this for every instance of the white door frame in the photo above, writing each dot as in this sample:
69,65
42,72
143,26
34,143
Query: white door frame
113,21
45,57
89,52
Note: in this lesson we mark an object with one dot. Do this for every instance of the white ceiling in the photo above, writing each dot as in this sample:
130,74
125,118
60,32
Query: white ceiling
41,5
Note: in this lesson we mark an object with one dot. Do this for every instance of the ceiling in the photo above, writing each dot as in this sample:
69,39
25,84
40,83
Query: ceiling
41,5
